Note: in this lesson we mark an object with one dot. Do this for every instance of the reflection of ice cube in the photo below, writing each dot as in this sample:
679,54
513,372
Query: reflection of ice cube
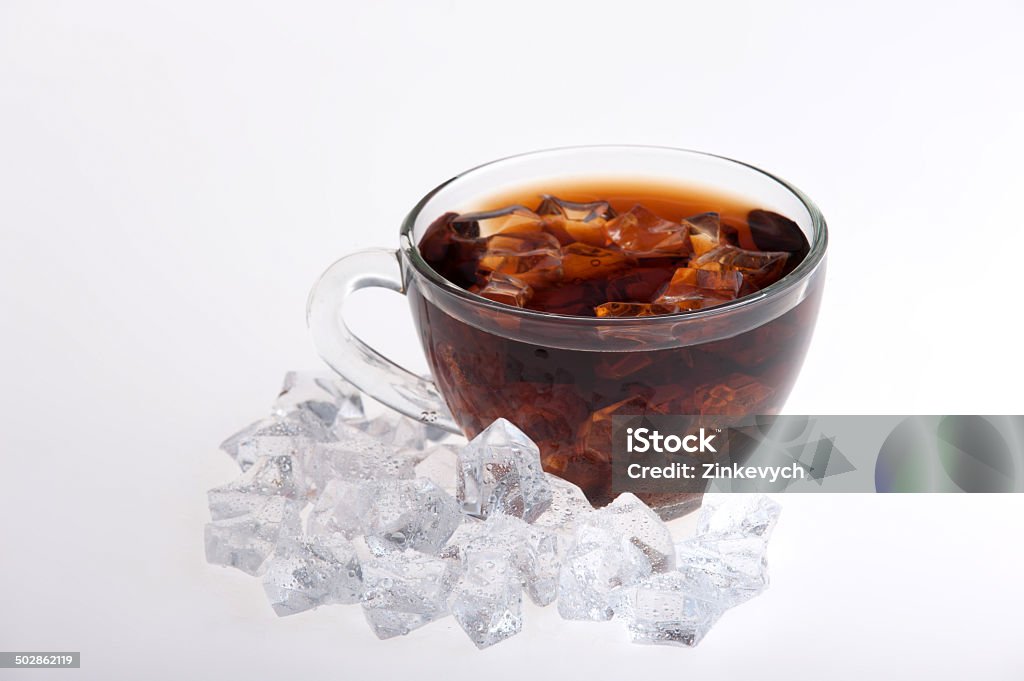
307,572
326,396
404,590
615,546
246,538
500,471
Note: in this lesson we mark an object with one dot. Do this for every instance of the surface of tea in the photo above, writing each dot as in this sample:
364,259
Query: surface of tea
614,249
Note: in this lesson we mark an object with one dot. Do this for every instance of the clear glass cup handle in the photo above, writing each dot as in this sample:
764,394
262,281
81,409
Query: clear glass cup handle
358,363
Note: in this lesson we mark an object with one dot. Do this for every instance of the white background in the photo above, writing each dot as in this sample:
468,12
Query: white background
174,176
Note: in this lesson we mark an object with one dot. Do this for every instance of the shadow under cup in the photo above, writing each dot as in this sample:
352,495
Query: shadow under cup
562,378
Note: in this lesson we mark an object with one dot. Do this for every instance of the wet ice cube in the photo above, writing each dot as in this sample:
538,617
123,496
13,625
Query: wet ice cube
295,431
363,459
707,224
634,522
574,210
506,289
284,475
453,248
403,590
280,474
640,233
487,601
439,464
324,395
538,560
759,268
570,221
735,567
307,572
615,546
582,261
246,539
533,552
568,504
410,514
667,608
532,257
738,515
343,507
730,547
500,471
397,431
513,218
725,283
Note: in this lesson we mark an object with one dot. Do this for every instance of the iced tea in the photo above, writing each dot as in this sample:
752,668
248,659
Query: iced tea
609,250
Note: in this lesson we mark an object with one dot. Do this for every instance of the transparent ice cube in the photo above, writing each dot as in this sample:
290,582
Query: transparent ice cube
534,553
359,459
500,471
440,464
403,590
399,431
324,395
616,546
343,507
487,601
410,514
296,431
246,538
307,572
667,608
738,515
276,474
729,550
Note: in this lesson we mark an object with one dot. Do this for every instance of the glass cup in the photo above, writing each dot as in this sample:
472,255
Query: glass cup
561,378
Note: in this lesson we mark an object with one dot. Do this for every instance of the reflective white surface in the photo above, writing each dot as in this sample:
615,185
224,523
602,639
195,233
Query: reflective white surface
174,176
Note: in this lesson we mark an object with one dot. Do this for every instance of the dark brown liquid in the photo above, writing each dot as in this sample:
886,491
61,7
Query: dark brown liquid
564,399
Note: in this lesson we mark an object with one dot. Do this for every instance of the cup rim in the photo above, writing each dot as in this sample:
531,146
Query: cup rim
819,234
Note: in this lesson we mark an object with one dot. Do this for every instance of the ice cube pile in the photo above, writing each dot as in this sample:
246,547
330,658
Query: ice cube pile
334,507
